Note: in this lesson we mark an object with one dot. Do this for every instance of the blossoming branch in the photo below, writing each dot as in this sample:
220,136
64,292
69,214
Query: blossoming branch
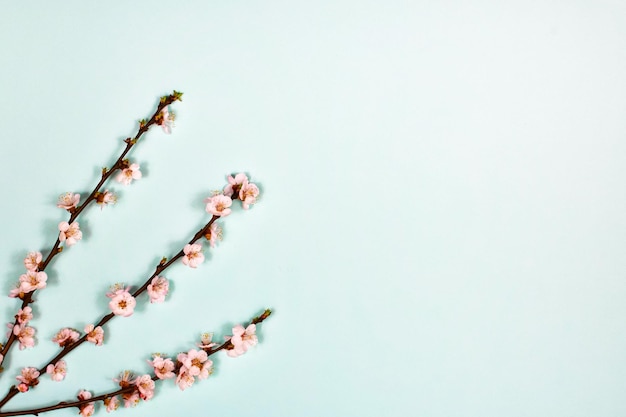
184,369
35,276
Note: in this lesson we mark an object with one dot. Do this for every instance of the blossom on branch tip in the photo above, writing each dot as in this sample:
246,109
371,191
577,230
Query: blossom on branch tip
218,205
248,194
88,409
32,261
28,378
122,302
94,335
24,315
66,336
57,371
32,280
70,233
163,367
158,289
242,339
234,184
128,174
68,201
193,255
106,198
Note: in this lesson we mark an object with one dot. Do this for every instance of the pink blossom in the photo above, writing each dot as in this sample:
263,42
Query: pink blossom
25,335
68,201
145,386
33,280
94,335
28,378
24,315
106,198
218,205
214,233
131,399
32,261
184,380
158,289
242,340
111,403
57,371
206,341
163,367
166,120
126,379
17,291
122,303
70,233
196,363
234,184
66,337
248,194
128,174
193,255
87,409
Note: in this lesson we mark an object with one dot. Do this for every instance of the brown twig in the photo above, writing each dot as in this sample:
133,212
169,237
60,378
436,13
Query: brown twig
106,174
130,389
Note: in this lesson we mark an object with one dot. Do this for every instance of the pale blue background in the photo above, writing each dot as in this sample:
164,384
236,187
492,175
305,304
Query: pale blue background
442,228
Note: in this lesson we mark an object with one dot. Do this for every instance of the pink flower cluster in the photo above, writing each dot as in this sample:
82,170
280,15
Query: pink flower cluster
241,187
33,279
24,333
122,302
87,409
241,340
29,378
194,363
144,391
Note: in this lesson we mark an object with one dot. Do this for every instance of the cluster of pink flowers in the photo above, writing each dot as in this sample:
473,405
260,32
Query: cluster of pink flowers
158,289
28,378
88,409
66,337
128,174
24,333
122,302
194,363
241,340
241,187
144,390
57,371
163,367
33,279
70,233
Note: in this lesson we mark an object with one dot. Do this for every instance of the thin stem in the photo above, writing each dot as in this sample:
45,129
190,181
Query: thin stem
130,389
106,174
